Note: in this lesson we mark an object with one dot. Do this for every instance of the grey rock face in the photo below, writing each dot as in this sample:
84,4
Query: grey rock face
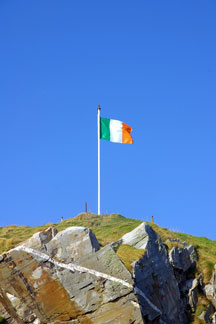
154,278
189,293
192,253
139,237
56,278
23,312
40,239
205,316
72,244
210,289
192,294
180,258
65,278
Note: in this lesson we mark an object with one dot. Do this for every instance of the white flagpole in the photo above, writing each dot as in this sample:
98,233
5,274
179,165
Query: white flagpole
98,116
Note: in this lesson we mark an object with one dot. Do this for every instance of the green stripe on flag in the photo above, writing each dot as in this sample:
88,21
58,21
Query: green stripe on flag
105,128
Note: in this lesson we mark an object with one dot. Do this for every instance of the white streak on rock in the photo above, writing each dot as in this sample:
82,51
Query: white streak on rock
71,266
74,267
139,292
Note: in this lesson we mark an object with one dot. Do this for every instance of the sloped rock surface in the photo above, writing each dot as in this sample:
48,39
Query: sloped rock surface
189,289
40,239
210,289
154,277
56,278
205,316
64,278
72,244
137,238
182,259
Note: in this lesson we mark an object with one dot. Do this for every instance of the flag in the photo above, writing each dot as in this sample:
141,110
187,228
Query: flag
115,131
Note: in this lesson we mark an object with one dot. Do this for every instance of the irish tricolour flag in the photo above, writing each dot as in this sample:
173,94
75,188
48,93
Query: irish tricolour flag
115,131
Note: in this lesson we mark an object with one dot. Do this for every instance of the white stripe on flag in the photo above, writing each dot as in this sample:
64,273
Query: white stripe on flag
115,131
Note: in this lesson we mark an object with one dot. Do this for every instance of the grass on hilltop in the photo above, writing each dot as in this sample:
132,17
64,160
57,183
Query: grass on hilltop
110,228
128,254
205,248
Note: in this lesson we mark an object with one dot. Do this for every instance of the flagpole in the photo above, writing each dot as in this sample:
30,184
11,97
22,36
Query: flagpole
98,120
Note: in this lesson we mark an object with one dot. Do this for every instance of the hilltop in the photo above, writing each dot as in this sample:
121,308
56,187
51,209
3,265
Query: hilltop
109,228
186,261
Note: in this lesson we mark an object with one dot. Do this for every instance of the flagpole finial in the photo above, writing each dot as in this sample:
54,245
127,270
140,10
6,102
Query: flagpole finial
99,108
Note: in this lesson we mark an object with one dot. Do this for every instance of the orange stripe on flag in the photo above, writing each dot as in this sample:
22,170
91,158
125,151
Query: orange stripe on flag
126,136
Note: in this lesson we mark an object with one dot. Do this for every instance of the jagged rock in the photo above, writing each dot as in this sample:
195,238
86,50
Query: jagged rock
210,294
56,278
137,238
210,289
72,244
155,282
64,278
202,317
40,239
193,254
214,318
183,258
192,294
205,315
201,282
23,312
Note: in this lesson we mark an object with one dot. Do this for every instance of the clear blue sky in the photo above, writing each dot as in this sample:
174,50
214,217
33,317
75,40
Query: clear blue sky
151,64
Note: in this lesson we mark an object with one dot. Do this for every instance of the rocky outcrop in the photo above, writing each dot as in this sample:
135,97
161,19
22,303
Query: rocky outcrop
153,276
210,289
66,277
205,315
182,258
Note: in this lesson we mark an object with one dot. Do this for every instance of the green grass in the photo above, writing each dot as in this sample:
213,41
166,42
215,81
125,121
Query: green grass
109,228
128,254
202,305
205,248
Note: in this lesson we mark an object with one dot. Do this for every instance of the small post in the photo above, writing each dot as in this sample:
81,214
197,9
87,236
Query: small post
152,219
98,120
86,207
